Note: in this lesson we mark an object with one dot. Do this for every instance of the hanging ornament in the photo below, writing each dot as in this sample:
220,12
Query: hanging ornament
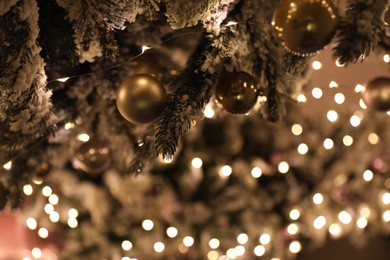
237,92
141,98
377,94
386,16
304,27
93,157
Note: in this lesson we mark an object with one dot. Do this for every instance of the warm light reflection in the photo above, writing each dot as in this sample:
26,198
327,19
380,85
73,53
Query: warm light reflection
197,163
283,167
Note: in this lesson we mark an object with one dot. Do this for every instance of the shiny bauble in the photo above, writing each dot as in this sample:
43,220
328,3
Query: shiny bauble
141,98
237,92
92,157
305,27
147,64
386,16
377,94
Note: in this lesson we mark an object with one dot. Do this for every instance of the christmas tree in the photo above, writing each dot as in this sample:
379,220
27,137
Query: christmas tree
98,97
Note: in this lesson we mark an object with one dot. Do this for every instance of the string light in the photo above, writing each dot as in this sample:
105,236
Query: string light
73,213
339,98
386,58
213,255
332,116
36,252
8,165
197,163
333,84
295,247
301,98
345,217
283,167
361,222
172,232
73,223
69,126
28,189
265,239
319,222
359,88
317,93
31,223
368,175
231,23
239,250
316,65
83,137
386,198
297,129
373,138
214,243
188,241
147,224
303,148
159,247
145,48
328,144
47,191
127,245
54,217
209,111
231,253
292,229
386,216
242,238
43,233
365,212
294,214
256,172
225,171
347,140
355,121
53,199
49,208
335,230
259,250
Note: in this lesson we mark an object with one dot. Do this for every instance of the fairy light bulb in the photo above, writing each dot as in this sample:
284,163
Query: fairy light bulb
214,243
386,58
333,84
147,224
362,104
172,232
49,208
359,88
127,245
386,216
335,230
242,238
294,214
317,93
292,229
159,247
225,171
319,222
318,198
31,223
8,165
209,111
368,175
361,222
365,212
54,217
43,233
373,138
259,250
297,129
36,252
83,137
283,167
53,199
339,98
328,144
73,213
256,172
231,253
265,239
355,121
332,116
301,98
316,65
28,190
188,241
295,247
347,140
302,148
344,217
239,250
46,191
212,255
386,198
73,223
197,163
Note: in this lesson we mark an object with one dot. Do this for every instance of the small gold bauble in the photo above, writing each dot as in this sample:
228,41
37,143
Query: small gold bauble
141,98
304,27
237,92
93,157
377,94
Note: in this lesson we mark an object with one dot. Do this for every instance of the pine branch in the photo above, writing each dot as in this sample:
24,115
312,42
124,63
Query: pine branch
194,89
359,34
25,106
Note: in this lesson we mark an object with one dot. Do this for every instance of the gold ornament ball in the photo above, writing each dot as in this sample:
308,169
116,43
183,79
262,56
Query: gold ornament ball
237,92
141,98
305,27
377,94
93,157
